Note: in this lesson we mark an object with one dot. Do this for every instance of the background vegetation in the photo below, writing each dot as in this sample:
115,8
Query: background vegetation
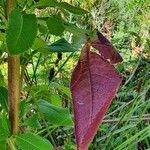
46,108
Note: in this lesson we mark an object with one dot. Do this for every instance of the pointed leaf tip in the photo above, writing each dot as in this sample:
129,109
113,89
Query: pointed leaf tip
94,83
106,49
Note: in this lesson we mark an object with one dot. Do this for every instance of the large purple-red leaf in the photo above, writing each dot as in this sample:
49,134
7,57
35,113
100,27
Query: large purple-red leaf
106,49
94,83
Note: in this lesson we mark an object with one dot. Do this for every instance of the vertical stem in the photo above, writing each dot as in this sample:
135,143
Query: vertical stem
14,91
13,80
10,5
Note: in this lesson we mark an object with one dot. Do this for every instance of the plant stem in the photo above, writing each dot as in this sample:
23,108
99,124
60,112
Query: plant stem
45,123
13,80
10,5
11,144
14,91
62,66
35,69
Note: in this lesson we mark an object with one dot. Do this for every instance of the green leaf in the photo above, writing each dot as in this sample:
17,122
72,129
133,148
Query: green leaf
77,41
4,98
2,36
74,29
33,122
29,2
21,3
55,115
3,135
62,88
61,46
72,9
29,141
2,80
3,145
45,3
21,32
55,25
39,43
22,108
55,100
4,129
78,37
42,28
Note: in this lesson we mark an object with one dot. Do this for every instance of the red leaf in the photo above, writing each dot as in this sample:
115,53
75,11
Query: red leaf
106,49
94,83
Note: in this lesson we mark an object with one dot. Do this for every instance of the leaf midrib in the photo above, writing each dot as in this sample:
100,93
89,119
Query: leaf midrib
91,89
28,142
20,31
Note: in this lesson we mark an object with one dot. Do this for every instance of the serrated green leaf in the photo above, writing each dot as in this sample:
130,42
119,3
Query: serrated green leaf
61,46
55,115
21,32
29,141
72,9
55,25
4,98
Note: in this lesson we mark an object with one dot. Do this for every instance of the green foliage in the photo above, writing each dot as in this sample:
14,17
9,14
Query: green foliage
4,98
61,88
3,145
55,25
45,3
39,44
42,28
55,115
61,46
72,9
139,134
33,122
21,32
2,36
4,131
59,27
28,141
75,30
56,100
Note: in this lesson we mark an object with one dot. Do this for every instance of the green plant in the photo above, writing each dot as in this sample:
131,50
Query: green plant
26,35
45,106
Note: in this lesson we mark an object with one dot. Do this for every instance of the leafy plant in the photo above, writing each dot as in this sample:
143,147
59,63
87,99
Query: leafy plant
40,41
